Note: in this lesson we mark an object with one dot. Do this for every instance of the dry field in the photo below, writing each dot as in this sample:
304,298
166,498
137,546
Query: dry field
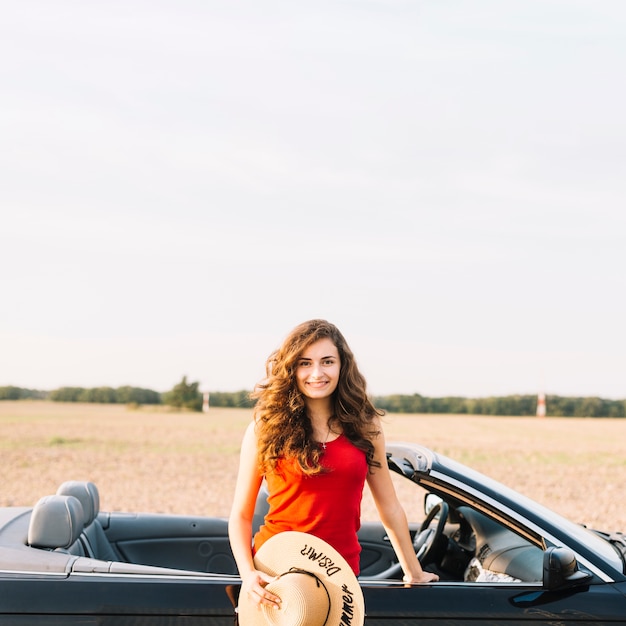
153,460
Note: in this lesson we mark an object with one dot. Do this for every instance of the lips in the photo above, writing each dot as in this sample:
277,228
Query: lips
317,384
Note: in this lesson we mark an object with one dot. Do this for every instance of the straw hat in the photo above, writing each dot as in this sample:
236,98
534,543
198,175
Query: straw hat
316,585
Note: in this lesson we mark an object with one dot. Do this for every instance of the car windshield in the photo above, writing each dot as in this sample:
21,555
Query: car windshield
578,532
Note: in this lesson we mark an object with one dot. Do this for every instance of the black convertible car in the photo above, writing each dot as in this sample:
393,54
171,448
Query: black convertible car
501,558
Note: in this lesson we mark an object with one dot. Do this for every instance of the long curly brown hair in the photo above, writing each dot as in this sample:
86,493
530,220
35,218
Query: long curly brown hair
283,428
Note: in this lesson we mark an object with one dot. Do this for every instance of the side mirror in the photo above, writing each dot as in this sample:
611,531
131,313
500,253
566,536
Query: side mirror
431,500
560,569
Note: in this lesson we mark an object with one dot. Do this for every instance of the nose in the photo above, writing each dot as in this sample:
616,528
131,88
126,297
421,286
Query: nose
317,371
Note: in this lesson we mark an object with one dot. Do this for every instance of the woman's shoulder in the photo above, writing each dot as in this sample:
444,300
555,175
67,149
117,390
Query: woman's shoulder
250,434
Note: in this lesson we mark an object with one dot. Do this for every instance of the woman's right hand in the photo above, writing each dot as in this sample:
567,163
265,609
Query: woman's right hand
254,585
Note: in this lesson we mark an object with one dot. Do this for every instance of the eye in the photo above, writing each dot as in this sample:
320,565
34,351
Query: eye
304,363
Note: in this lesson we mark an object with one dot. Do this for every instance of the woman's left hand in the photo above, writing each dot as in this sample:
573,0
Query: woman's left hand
424,577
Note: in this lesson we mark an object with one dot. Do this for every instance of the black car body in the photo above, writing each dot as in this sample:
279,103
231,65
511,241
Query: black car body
501,557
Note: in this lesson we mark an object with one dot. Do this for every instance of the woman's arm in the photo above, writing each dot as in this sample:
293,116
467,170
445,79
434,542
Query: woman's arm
240,522
392,514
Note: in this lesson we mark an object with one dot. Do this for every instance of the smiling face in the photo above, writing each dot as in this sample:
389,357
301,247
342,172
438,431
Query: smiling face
317,370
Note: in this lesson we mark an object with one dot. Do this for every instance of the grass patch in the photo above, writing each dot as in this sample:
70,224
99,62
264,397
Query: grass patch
64,441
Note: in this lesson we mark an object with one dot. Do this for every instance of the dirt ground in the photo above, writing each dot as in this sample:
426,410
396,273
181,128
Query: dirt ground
159,461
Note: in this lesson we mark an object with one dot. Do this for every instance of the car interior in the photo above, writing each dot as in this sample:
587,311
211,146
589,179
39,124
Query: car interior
66,532
451,538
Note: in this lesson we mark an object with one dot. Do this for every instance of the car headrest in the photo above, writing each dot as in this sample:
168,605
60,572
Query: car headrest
56,522
86,493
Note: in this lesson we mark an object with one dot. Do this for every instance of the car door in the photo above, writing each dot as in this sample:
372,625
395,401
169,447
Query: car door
118,599
504,604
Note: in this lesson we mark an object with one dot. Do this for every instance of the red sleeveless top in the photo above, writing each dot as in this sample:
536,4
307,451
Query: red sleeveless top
327,505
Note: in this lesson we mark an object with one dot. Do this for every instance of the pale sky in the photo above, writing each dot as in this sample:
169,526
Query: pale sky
182,182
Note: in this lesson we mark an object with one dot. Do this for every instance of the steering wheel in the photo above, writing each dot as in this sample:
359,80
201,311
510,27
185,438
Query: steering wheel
425,542
427,539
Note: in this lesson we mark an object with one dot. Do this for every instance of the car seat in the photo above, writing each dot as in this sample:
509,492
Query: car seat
93,537
56,523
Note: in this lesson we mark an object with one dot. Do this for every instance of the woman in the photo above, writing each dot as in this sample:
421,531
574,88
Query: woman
315,438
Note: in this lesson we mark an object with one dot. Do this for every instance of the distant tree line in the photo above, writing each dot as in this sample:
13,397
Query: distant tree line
106,395
518,405
18,393
188,396
236,399
103,395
